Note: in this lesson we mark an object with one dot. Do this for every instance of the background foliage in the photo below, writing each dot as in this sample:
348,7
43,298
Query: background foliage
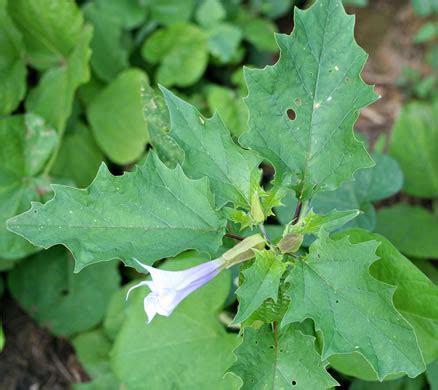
70,73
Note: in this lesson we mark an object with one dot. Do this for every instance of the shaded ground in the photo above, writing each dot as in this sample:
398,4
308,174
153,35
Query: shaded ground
34,359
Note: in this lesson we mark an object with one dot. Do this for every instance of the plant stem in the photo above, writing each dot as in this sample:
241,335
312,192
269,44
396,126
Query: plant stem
265,234
297,212
234,236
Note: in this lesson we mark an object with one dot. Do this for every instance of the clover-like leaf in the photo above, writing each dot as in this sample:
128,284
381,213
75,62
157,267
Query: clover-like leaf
27,142
332,286
287,360
116,117
148,214
302,109
73,303
12,66
412,229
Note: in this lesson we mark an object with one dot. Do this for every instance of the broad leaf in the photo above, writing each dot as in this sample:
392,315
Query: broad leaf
210,12
191,342
12,66
414,144
116,117
210,151
181,52
51,29
157,118
259,32
73,303
261,282
419,308
52,98
303,108
26,145
289,362
417,383
148,214
412,229
332,286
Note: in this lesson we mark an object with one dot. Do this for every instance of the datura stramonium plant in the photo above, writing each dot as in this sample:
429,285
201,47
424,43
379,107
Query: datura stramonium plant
169,288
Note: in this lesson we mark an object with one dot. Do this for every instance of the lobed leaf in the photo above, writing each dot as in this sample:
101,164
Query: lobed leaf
302,109
148,214
332,286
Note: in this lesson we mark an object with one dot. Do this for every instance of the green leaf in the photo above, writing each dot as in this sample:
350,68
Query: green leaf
109,51
79,156
291,362
191,342
210,13
2,338
149,214
51,29
157,118
92,349
261,282
230,108
432,375
116,117
412,229
272,8
73,303
312,223
181,53
52,98
210,151
169,12
332,286
259,32
425,7
317,82
12,66
419,308
417,383
414,144
27,144
223,41
370,185
129,13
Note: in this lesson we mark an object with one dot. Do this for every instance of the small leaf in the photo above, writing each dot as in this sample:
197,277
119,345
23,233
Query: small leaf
261,282
291,362
412,229
126,217
223,41
210,151
50,29
19,170
169,12
312,223
157,118
181,52
83,297
332,286
230,108
52,98
302,109
414,144
116,117
12,66
209,13
79,156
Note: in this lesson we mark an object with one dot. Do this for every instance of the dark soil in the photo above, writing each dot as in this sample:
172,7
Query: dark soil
32,358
